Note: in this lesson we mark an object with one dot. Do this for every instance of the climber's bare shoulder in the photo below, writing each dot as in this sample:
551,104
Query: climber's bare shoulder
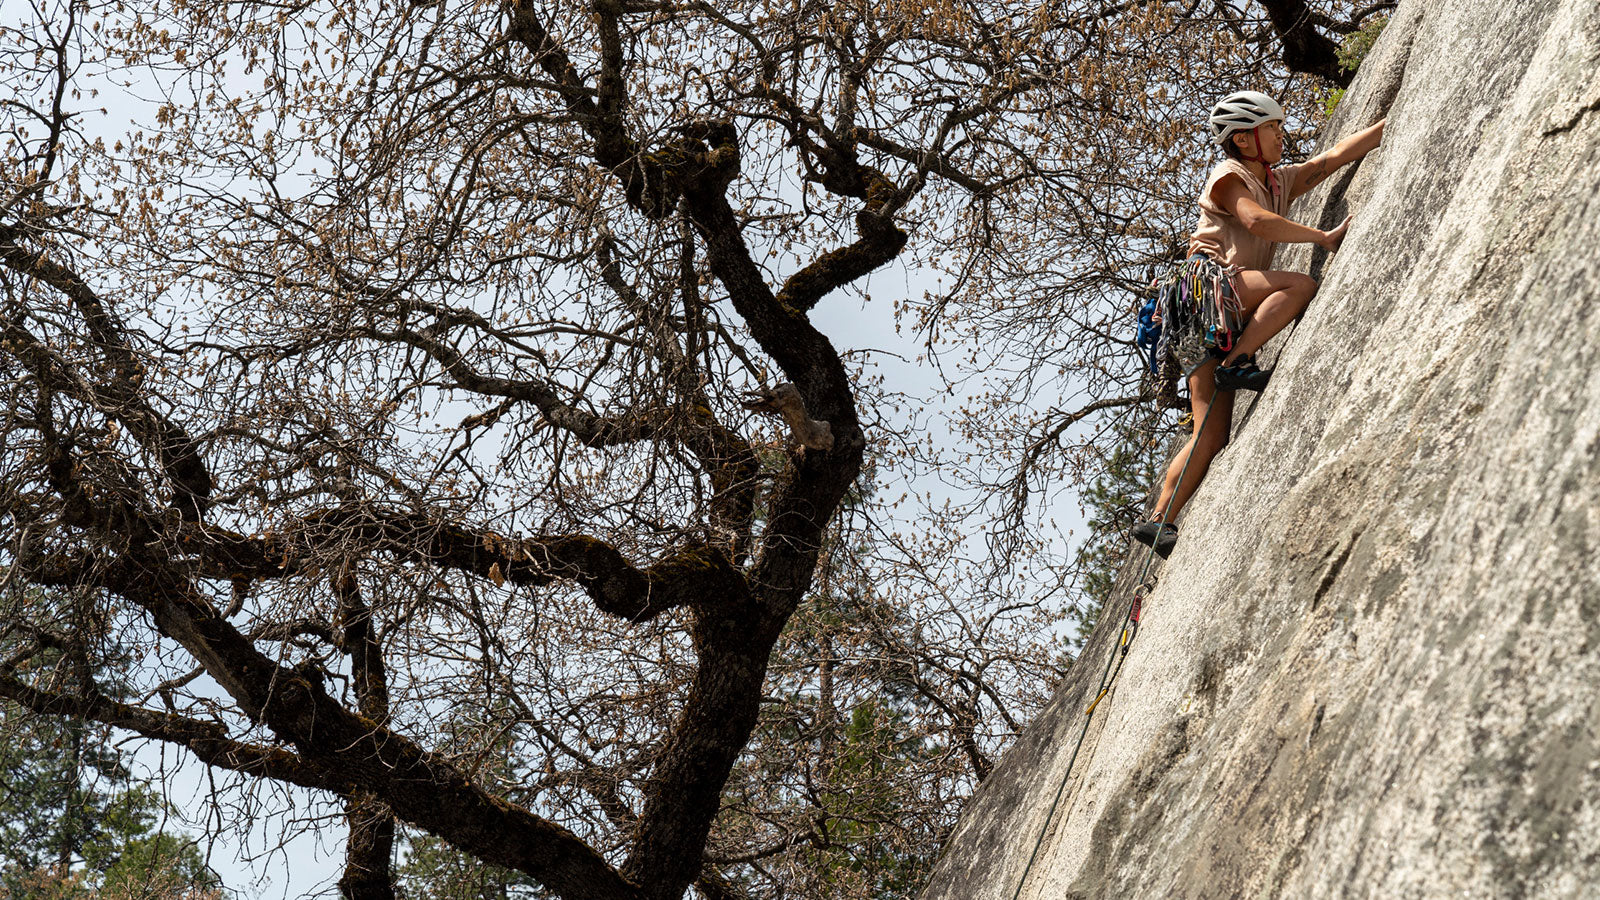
1230,194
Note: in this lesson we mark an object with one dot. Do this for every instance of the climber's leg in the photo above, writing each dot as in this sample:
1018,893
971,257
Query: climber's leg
1271,300
1203,397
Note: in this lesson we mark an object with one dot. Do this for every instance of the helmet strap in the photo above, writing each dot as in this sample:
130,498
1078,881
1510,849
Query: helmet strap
1272,178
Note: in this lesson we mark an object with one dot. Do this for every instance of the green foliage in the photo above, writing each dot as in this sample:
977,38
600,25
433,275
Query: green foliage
157,867
77,823
876,749
160,865
434,870
1114,502
1352,51
843,754
74,819
1356,45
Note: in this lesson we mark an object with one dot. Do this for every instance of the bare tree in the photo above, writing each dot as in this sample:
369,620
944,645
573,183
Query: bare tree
586,231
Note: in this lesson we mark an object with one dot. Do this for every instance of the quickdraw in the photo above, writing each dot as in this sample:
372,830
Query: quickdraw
1197,293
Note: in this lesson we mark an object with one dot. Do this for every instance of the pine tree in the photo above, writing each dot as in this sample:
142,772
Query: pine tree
1114,502
75,820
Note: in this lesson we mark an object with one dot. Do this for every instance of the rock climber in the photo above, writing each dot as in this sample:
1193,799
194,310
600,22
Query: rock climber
1220,305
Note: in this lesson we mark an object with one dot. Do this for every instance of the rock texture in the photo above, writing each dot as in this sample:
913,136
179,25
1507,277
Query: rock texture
1372,665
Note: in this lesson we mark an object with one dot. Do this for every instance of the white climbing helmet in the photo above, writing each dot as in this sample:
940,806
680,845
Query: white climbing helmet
1242,111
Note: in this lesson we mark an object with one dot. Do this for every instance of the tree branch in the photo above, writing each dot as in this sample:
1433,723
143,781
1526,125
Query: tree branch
1305,49
370,846
208,741
697,574
420,787
119,396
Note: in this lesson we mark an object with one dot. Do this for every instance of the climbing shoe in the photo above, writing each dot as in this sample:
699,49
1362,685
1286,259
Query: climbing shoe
1157,535
1242,375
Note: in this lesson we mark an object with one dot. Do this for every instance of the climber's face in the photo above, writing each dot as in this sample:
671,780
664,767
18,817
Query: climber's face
1270,150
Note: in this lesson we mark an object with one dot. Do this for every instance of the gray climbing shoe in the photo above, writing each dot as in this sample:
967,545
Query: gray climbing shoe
1155,534
1244,374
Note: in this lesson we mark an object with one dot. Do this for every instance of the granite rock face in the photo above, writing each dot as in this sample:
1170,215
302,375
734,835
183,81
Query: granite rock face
1371,667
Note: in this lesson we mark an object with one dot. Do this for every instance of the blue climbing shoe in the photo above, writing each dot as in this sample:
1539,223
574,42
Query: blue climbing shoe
1157,535
1242,375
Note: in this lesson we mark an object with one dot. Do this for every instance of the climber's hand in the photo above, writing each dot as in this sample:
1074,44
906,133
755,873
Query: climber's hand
1332,239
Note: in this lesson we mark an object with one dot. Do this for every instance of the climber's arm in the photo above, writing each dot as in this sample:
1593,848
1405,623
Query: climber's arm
1231,194
1347,151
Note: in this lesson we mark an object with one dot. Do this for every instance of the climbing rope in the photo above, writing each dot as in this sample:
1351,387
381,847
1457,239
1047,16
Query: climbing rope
1130,628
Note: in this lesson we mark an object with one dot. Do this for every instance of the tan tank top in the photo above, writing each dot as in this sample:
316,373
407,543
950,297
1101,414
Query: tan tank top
1221,236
